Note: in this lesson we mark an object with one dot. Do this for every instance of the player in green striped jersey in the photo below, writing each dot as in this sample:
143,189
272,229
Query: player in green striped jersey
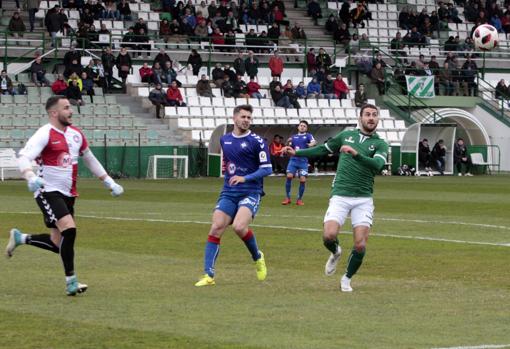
362,156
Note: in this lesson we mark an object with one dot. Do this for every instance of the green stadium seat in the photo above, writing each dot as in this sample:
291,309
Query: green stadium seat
88,134
113,110
33,91
99,100
19,122
20,99
33,109
113,122
30,132
126,135
4,135
24,78
17,134
87,121
6,109
32,121
138,123
5,122
20,110
126,122
99,122
98,91
152,135
46,92
99,135
110,99
7,99
86,110
100,110
113,134
34,99
76,121
124,110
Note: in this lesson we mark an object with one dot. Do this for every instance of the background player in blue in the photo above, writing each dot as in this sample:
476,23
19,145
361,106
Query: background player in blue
246,160
298,166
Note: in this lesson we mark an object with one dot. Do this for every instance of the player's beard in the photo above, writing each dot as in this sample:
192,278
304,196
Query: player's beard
367,128
65,121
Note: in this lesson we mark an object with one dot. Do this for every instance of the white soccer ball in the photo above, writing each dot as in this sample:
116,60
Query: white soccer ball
485,37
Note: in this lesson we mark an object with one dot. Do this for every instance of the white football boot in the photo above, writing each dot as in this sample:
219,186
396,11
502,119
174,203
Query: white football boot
333,261
345,284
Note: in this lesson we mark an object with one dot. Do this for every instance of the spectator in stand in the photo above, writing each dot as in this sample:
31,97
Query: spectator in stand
340,87
204,87
450,44
38,73
143,45
279,99
217,75
276,64
201,8
502,91
275,82
360,96
439,156
290,91
195,60
342,35
377,76
263,42
301,90
277,156
397,46
173,95
239,65
110,11
360,14
75,77
320,75
415,38
74,67
446,80
52,23
254,89
298,33
461,156
403,19
59,86
6,87
311,61
164,30
345,13
177,31
314,11
169,73
505,22
379,59
124,64
231,74
323,60
470,71
158,98
73,93
217,39
273,33
129,39
331,24
16,26
124,10
108,60
161,57
32,8
328,87
251,65
240,88
87,86
201,31
146,73
313,90
158,73
139,26
227,87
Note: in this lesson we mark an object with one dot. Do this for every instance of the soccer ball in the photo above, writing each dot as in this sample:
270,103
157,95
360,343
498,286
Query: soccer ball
485,37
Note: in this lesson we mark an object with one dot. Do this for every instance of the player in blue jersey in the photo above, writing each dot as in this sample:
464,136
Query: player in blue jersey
298,166
246,162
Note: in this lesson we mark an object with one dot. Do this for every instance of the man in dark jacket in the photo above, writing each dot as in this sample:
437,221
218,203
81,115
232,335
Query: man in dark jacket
108,60
252,65
439,155
158,98
52,23
239,65
72,55
424,157
204,87
461,156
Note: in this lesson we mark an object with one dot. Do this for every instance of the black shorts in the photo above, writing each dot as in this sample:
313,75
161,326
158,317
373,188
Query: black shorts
54,205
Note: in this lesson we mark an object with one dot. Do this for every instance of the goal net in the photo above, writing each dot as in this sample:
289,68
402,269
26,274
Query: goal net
167,166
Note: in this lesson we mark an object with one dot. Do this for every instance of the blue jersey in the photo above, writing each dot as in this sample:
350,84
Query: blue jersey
243,155
300,141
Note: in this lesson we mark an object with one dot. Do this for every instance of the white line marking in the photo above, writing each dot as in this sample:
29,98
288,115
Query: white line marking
483,346
408,237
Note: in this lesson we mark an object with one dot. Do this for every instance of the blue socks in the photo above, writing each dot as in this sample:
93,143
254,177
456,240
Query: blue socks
212,249
288,184
301,190
251,244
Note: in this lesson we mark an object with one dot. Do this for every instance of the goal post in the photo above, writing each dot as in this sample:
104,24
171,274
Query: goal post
167,166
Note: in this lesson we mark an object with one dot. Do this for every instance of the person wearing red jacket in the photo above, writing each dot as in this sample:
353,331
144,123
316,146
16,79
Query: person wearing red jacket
59,86
218,39
146,73
253,88
276,64
340,87
174,96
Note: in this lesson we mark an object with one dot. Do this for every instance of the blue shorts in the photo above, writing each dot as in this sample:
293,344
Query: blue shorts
298,168
230,203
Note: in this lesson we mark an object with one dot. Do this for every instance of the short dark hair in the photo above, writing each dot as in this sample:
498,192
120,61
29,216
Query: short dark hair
53,101
245,107
303,122
365,106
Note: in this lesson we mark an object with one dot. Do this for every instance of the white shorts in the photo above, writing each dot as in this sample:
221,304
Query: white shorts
361,210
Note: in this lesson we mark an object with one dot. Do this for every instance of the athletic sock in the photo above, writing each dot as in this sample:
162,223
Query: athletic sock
331,245
67,250
251,244
42,241
212,249
354,262
288,184
301,190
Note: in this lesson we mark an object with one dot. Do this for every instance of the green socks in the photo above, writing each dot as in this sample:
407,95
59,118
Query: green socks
331,245
354,262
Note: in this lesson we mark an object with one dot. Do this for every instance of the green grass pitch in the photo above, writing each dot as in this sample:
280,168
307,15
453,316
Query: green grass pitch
436,273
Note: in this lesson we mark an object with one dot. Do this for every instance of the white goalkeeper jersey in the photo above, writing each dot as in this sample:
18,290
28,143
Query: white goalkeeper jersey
57,154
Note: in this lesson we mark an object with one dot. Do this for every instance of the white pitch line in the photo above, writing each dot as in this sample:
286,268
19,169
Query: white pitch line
175,221
483,346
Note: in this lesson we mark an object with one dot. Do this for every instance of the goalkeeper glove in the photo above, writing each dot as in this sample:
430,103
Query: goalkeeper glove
35,183
115,188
